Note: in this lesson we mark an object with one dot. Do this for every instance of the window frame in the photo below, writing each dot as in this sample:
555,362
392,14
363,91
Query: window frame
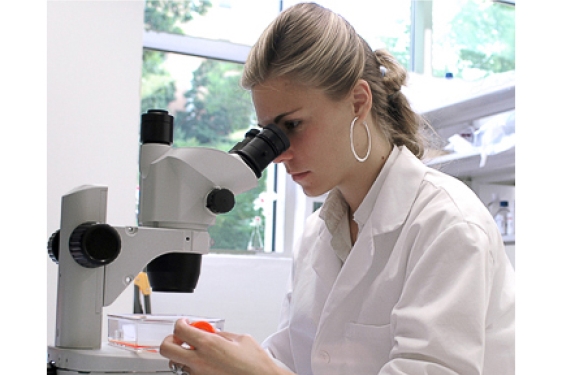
193,46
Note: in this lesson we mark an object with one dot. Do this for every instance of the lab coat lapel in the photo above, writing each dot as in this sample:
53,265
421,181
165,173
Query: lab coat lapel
325,262
357,265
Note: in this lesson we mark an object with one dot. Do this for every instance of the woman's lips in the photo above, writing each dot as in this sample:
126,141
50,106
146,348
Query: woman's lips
299,176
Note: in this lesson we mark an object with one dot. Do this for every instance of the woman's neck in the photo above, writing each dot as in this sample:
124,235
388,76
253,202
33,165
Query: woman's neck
363,177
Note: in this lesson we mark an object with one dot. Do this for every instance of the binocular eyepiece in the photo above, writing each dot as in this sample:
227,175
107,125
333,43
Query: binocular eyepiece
258,149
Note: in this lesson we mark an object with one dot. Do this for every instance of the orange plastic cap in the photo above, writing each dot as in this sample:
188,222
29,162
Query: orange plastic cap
203,325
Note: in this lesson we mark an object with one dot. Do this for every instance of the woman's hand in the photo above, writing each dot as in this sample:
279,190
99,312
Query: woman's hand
220,353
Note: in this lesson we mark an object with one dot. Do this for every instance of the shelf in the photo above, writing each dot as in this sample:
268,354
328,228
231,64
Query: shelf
509,239
455,117
463,107
498,168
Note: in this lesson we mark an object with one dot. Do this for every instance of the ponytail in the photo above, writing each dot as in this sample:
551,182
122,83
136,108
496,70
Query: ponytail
391,109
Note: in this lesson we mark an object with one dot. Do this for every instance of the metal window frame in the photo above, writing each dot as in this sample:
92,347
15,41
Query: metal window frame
200,47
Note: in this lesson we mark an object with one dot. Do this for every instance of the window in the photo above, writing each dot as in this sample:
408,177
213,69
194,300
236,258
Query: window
233,21
472,39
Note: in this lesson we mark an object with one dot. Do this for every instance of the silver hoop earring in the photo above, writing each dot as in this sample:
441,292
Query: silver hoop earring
361,160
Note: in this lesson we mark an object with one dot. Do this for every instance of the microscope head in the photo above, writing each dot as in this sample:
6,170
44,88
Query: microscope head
188,187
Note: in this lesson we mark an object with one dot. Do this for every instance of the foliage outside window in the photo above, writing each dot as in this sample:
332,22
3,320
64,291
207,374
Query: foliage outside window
235,21
170,16
472,39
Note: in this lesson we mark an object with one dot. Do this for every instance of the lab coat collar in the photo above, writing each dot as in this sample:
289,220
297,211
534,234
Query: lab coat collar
398,192
366,207
334,213
389,199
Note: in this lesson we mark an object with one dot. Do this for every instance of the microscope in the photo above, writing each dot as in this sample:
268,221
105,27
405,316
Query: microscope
182,190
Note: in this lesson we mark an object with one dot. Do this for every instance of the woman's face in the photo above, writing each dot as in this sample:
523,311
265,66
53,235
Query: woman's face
319,157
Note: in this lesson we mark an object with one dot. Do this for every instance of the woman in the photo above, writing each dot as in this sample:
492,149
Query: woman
402,270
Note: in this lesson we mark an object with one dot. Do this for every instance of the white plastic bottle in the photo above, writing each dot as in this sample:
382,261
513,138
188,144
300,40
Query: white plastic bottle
256,242
501,217
510,223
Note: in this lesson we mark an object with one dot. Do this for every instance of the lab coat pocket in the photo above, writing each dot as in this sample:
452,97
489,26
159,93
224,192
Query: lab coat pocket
367,348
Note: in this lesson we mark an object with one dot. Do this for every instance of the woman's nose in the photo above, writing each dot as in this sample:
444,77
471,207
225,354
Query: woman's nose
288,154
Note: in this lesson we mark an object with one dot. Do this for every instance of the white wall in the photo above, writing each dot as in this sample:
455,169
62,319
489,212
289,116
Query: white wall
246,291
94,61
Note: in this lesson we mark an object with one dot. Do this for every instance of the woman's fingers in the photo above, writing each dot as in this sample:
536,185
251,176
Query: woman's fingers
174,351
215,353
190,335
229,336
179,346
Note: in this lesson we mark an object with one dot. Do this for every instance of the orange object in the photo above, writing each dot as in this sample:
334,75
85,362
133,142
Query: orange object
134,346
142,282
205,326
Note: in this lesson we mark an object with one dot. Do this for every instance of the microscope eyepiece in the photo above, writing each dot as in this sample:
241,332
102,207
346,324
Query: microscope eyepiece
157,126
259,149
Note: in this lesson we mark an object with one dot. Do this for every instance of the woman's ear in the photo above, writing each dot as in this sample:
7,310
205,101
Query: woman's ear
362,99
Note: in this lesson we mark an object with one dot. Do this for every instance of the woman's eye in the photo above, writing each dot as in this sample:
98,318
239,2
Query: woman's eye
290,125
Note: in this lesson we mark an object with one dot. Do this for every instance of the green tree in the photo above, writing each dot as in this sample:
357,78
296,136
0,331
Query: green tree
482,34
168,16
485,35
216,104
233,230
158,87
399,46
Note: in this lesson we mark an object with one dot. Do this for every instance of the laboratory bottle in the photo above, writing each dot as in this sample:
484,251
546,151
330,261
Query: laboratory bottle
256,242
510,223
501,217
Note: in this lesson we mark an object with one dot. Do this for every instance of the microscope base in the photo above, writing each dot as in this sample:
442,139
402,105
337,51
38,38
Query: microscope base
108,360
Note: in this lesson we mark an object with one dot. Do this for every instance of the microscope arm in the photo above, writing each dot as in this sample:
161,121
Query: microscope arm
97,262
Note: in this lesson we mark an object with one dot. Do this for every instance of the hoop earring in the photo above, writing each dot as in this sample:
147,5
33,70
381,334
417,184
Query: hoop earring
361,160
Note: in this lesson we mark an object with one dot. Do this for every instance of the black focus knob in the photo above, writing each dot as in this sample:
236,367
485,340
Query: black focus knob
93,245
53,246
220,201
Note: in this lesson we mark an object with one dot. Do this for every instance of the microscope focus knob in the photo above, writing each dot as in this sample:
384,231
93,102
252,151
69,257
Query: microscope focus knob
93,245
53,246
220,201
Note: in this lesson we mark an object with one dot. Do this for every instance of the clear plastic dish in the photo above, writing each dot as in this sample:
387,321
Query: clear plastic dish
138,332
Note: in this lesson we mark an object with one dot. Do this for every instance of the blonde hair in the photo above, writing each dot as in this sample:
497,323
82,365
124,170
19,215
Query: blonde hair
317,47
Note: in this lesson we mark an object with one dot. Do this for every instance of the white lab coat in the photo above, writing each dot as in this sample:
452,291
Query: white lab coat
426,289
